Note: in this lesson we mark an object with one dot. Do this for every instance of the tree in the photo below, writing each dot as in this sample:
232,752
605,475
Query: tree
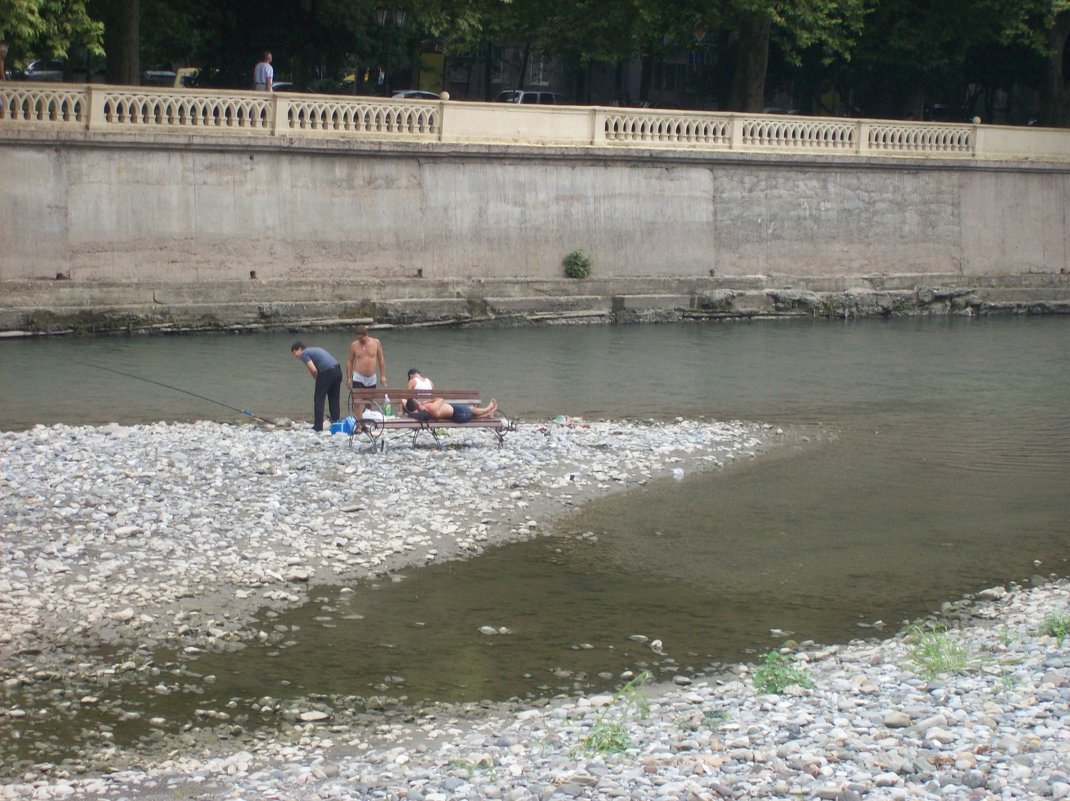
122,38
1044,26
1055,98
949,51
831,25
48,27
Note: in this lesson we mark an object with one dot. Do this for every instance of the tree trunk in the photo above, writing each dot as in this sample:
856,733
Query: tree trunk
1055,99
646,75
912,106
522,75
122,41
752,62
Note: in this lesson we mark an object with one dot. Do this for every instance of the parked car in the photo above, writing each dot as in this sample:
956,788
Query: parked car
160,77
416,94
44,69
186,76
527,96
943,112
176,79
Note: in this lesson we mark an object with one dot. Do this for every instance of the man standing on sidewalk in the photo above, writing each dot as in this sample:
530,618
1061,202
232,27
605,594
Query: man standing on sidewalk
263,74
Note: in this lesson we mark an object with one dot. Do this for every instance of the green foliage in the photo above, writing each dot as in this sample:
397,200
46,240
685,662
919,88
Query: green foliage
609,734
1057,625
48,28
1008,637
776,673
891,56
607,737
933,653
577,264
470,768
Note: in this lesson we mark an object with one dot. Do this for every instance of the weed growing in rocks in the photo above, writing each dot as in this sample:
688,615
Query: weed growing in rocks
1008,637
776,673
470,768
934,653
1057,625
609,734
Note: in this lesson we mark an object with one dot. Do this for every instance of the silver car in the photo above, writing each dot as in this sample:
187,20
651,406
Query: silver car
527,96
415,94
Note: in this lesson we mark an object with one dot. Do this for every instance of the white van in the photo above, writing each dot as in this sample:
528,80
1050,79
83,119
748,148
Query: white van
527,96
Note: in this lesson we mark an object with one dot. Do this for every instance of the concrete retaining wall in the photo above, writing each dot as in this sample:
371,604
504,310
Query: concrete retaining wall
180,216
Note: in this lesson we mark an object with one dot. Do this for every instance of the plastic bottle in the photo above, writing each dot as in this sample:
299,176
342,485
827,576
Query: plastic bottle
386,406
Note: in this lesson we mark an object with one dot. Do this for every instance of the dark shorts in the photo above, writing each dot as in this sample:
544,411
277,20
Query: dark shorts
358,385
461,413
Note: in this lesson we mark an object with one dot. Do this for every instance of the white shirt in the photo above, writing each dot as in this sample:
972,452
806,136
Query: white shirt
263,73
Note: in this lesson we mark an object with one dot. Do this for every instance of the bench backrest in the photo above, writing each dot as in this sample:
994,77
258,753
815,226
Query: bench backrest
379,394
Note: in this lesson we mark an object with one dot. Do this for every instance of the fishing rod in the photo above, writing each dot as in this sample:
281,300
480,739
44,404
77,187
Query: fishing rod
179,389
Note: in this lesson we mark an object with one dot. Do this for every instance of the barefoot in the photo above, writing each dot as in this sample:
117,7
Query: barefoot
492,406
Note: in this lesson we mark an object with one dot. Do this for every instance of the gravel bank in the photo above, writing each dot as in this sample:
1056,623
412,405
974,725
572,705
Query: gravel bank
177,533
872,727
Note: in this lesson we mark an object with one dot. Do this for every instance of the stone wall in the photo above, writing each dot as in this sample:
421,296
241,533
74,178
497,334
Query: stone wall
193,216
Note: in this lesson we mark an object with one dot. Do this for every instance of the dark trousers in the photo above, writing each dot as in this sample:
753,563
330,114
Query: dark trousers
329,386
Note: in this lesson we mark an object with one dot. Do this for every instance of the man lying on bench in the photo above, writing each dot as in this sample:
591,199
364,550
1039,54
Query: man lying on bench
438,409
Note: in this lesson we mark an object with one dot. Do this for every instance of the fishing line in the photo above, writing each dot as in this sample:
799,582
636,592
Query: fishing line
179,389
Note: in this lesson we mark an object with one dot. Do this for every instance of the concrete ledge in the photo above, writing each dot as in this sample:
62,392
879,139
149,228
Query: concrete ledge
651,302
34,308
543,304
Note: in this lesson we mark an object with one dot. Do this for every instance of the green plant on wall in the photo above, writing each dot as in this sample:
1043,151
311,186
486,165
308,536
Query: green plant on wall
577,264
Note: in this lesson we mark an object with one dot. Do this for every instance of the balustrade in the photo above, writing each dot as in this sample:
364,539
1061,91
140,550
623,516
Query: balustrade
150,110
36,103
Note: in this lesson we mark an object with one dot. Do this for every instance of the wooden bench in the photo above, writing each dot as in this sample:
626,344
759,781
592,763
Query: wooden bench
374,400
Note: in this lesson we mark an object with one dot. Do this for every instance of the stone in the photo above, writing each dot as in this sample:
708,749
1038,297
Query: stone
896,719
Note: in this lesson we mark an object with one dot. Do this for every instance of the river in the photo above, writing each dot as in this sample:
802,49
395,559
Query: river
938,466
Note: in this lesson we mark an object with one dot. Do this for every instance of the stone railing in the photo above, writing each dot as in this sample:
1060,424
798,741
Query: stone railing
151,110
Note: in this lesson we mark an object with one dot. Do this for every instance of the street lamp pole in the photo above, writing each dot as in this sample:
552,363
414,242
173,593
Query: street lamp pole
388,20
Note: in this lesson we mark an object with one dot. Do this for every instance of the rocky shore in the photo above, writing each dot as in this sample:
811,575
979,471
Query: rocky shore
176,533
120,535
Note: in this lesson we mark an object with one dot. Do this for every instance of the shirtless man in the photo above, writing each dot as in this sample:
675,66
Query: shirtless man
438,409
365,360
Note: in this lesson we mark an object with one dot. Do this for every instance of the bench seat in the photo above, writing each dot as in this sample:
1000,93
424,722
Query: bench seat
375,400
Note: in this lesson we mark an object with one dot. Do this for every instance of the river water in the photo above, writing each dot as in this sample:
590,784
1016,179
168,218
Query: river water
939,466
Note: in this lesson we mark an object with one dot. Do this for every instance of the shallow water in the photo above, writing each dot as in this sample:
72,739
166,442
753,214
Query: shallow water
940,468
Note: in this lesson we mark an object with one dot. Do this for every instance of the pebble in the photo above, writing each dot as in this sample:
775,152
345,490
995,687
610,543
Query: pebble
120,533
